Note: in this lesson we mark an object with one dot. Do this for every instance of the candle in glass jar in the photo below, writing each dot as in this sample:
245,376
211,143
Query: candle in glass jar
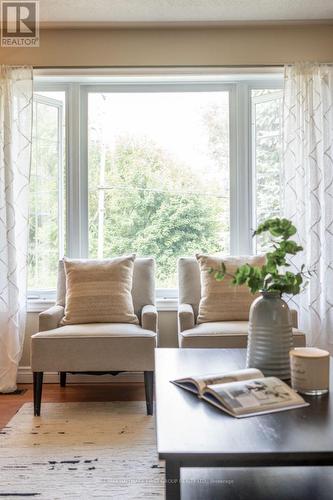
310,370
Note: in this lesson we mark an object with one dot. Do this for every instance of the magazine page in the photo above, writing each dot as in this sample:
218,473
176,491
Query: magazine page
189,384
255,396
225,378
198,383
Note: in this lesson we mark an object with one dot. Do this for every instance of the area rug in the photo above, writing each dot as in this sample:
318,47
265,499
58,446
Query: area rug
81,451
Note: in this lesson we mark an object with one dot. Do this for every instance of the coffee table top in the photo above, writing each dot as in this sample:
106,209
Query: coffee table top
191,429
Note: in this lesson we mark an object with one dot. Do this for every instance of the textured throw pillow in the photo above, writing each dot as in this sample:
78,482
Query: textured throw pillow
221,300
99,291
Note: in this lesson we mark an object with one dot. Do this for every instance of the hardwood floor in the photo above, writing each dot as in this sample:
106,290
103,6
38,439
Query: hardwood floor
121,391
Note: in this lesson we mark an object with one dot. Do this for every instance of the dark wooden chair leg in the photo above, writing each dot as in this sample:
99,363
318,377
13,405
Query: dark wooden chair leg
149,389
63,379
38,385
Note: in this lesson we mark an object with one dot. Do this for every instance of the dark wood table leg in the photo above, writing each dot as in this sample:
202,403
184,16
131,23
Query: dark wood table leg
172,480
149,390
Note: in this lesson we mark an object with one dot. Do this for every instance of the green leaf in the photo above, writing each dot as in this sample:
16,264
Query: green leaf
270,275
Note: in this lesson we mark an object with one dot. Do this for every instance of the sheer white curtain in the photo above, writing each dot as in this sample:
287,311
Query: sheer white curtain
308,188
16,96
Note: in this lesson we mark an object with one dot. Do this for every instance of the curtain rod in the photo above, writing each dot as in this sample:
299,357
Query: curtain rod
167,66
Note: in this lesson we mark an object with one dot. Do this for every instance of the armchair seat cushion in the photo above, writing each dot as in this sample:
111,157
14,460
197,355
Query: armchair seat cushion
94,347
224,334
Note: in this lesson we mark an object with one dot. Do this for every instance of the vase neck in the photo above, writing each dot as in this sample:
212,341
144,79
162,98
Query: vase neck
271,295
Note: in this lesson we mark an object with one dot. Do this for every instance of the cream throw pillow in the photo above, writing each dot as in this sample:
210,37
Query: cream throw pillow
221,300
99,291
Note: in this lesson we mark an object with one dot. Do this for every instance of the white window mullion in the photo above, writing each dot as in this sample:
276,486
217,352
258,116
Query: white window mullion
76,178
83,153
240,179
233,162
73,161
61,222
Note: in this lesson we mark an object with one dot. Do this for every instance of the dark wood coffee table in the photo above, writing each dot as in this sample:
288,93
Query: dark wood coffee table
192,433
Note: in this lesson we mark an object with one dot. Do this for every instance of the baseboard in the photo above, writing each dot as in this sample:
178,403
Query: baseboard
25,377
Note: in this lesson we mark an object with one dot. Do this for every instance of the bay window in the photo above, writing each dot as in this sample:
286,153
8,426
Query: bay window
162,168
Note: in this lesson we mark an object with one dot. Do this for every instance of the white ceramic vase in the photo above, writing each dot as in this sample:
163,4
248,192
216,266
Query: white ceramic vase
270,336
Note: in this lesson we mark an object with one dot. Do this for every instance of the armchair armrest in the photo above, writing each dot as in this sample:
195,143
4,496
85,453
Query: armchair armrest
294,318
185,317
50,319
149,318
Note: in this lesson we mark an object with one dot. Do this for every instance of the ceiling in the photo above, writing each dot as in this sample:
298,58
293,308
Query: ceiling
76,13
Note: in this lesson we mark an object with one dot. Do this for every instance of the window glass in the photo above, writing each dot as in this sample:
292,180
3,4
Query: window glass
158,175
266,135
46,210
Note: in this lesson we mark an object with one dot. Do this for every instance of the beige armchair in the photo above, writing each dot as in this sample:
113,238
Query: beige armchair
224,334
98,348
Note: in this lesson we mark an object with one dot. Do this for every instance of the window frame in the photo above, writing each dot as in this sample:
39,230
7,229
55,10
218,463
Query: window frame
252,151
47,293
242,168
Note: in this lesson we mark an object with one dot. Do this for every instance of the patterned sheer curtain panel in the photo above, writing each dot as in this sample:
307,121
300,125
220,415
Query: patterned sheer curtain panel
307,185
16,96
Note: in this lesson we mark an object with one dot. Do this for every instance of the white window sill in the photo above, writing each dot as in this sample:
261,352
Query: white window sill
39,305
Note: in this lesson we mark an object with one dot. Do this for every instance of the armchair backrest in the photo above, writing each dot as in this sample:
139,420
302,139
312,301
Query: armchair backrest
189,286
143,288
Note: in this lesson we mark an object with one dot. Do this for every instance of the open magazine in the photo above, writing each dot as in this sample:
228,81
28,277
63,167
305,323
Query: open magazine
243,393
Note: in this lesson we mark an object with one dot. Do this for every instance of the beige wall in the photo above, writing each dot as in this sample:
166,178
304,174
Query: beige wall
191,46
268,45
